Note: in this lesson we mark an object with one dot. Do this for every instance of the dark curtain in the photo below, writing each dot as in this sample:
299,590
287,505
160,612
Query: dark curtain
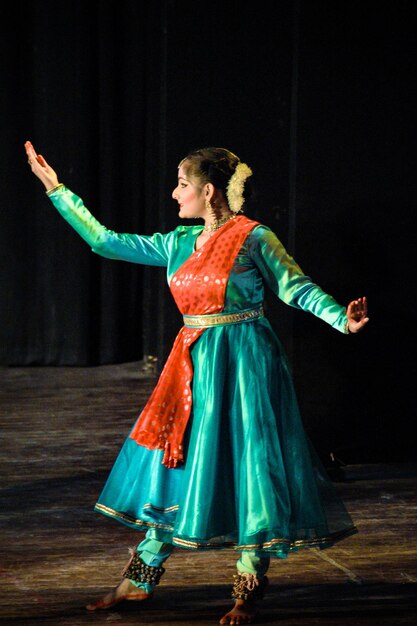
81,80
356,208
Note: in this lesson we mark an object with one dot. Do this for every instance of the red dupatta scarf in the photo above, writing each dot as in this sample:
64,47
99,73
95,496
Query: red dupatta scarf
199,288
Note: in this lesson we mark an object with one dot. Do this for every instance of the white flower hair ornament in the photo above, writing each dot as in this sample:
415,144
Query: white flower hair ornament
234,191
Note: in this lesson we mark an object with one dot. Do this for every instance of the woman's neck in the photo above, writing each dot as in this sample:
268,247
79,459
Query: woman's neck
213,222
216,216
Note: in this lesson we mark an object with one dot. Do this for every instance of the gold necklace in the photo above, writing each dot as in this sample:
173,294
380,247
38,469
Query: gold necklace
211,228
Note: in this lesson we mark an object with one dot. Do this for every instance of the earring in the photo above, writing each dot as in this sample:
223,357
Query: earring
211,210
213,216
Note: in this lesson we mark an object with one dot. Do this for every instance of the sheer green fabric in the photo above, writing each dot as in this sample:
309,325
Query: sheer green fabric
251,478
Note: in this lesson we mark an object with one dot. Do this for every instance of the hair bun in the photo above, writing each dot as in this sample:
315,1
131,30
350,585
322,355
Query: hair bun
234,191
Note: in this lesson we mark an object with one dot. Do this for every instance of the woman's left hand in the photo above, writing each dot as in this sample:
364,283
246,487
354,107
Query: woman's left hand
357,314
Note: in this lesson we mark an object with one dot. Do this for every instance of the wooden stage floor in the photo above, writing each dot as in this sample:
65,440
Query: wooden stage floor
61,429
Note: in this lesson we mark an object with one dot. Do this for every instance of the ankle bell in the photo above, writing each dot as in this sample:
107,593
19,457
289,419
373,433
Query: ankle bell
248,587
138,571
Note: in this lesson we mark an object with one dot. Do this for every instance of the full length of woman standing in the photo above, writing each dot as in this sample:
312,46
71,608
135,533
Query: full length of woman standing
218,458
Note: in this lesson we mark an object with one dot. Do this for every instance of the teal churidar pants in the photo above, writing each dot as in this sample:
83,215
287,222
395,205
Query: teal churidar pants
157,547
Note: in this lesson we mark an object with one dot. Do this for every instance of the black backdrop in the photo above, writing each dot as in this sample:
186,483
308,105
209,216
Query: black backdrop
318,97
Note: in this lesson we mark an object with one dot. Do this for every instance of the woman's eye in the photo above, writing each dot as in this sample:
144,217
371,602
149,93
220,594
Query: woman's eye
183,185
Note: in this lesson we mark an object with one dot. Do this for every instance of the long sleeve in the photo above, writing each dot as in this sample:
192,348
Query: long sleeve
143,249
287,280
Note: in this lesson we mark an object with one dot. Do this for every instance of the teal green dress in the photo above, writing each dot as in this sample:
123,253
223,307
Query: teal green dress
251,478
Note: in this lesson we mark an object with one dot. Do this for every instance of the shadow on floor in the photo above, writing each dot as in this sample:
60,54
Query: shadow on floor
332,604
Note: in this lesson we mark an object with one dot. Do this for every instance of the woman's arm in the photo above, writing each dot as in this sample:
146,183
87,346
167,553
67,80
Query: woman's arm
285,277
149,250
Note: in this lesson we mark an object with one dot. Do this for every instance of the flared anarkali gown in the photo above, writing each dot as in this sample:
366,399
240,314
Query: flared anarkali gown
250,479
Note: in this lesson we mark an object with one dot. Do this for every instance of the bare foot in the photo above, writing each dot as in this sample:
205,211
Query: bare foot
244,612
124,591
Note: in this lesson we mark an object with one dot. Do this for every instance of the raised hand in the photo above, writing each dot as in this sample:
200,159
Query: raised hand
40,167
357,314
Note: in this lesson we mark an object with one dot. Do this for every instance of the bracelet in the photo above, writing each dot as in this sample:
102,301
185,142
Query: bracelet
346,328
53,189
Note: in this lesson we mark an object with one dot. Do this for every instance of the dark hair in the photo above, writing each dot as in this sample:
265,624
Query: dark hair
212,165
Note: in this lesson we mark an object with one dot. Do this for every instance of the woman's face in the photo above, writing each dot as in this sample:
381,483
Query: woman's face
190,198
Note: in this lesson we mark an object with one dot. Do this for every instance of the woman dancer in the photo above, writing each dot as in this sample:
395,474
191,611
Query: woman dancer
218,458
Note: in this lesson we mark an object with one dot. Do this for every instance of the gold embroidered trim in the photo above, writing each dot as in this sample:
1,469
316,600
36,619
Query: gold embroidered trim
308,543
52,190
174,507
195,545
266,545
202,321
130,520
299,543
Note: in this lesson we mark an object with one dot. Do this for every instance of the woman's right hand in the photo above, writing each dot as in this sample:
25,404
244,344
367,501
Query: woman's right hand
40,167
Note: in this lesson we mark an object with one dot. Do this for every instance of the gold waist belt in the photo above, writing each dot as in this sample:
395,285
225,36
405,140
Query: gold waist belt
220,319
